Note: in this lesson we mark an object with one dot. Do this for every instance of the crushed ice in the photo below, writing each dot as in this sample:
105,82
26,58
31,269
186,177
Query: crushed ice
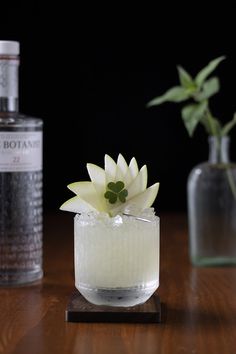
131,213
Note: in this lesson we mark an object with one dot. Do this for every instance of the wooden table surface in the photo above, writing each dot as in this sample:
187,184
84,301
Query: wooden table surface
199,312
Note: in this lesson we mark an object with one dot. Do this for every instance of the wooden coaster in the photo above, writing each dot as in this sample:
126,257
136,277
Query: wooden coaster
80,310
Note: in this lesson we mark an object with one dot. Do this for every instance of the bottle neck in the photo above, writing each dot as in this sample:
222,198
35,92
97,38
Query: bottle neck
219,149
9,66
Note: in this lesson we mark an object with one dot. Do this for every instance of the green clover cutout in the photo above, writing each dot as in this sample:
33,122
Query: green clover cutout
116,192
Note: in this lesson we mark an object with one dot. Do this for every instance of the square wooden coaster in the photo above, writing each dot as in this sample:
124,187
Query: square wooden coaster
80,310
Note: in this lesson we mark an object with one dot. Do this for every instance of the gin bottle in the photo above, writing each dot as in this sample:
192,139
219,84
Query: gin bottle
20,179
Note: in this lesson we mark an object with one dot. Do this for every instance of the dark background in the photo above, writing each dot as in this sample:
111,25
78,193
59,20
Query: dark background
90,72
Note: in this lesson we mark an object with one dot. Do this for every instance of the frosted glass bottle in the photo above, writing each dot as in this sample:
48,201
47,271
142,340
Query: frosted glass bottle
20,180
212,208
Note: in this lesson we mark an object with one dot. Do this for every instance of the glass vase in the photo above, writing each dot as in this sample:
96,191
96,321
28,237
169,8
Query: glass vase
212,207
116,259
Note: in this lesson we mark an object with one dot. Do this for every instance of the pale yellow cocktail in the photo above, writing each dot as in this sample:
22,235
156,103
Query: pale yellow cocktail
116,234
116,259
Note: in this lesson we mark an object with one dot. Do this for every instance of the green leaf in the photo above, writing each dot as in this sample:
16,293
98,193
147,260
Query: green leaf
211,124
112,197
112,186
205,72
116,187
192,115
207,125
122,195
175,94
209,88
226,129
116,191
184,78
119,186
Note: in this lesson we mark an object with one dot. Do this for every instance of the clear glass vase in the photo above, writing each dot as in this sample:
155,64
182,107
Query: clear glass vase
212,208
116,259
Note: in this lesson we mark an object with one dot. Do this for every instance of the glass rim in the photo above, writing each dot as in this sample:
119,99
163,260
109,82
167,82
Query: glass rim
96,216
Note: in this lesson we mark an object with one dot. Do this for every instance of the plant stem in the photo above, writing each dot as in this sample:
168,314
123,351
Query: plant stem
228,172
213,131
212,126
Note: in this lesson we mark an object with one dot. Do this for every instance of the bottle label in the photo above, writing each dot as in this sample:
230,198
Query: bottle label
20,151
9,78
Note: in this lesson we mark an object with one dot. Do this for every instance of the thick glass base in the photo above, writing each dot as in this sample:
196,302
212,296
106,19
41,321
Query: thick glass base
213,261
123,297
19,278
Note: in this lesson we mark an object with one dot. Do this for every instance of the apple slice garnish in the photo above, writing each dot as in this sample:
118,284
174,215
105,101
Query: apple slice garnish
113,188
110,169
139,184
97,176
142,200
133,167
77,205
122,168
87,192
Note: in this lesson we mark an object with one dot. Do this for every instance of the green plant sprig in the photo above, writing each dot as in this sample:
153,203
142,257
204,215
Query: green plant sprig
197,90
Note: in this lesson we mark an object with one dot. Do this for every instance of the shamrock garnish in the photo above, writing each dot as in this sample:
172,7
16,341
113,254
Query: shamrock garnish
130,188
116,191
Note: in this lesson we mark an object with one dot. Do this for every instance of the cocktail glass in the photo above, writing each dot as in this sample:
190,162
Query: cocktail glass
116,259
